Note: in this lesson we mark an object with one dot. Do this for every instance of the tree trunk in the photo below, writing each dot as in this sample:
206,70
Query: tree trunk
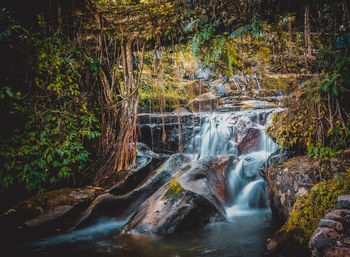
290,37
307,32
119,136
346,17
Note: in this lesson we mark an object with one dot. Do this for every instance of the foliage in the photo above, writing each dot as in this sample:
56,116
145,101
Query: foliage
48,113
295,128
336,61
162,96
306,213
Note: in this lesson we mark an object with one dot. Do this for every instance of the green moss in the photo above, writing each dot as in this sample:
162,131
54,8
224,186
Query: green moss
174,190
300,163
162,96
293,128
294,236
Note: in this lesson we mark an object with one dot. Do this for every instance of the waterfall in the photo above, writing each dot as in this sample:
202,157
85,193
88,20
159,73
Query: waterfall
239,134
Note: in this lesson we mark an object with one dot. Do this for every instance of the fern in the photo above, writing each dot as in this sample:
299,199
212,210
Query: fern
190,25
241,30
195,45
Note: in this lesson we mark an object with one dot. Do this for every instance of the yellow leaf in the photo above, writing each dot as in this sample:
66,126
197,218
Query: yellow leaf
329,131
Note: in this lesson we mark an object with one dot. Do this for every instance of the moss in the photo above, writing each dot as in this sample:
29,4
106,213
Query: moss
271,106
174,190
280,82
293,128
294,236
247,106
300,163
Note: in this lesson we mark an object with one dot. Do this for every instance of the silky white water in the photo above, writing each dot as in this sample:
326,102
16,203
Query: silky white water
222,134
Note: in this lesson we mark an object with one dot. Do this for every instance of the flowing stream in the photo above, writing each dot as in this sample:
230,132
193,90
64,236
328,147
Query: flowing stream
239,134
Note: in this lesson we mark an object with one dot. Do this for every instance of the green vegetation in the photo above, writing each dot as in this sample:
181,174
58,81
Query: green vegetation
50,120
307,212
174,190
76,75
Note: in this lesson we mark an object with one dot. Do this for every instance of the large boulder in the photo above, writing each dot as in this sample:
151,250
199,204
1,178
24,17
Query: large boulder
193,198
208,177
250,142
146,162
125,180
293,238
121,206
289,180
49,212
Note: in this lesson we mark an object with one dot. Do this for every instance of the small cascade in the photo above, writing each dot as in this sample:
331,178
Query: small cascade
241,135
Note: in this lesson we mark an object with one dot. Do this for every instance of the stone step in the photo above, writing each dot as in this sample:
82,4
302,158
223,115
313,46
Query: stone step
344,202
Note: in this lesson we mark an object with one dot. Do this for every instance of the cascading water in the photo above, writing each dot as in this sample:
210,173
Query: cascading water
241,135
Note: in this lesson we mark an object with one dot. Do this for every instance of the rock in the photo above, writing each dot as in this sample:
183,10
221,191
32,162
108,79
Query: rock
323,238
255,104
340,215
161,132
44,214
332,238
168,212
205,102
146,162
122,206
195,87
344,202
303,228
328,223
207,177
194,198
250,142
50,215
289,180
337,252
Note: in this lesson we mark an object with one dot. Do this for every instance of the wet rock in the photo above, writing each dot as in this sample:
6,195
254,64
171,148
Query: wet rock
161,132
195,197
146,162
344,202
122,206
250,142
337,252
166,212
46,213
208,178
254,104
289,180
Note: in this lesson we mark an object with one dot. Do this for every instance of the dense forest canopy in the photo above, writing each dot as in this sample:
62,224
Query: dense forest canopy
70,91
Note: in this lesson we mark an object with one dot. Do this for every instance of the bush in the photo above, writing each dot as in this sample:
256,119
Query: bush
48,118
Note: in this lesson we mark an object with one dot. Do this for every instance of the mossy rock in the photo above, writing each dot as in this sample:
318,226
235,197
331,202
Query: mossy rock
174,190
247,106
293,238
47,203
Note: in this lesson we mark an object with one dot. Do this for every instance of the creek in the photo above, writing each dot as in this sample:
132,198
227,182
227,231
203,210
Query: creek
238,134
